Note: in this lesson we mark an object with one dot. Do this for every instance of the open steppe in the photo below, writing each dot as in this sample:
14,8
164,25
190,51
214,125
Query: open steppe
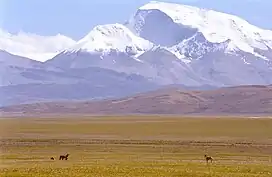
136,146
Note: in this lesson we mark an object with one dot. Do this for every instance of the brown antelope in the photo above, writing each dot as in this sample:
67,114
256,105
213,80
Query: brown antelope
208,158
61,157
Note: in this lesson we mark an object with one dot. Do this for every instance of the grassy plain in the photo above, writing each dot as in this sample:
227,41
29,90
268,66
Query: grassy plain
136,146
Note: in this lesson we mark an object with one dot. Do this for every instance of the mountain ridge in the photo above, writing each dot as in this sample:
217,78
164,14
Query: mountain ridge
249,100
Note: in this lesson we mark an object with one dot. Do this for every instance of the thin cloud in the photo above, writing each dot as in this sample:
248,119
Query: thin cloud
33,46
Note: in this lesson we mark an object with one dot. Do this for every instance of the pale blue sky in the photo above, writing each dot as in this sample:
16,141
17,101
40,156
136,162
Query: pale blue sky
75,18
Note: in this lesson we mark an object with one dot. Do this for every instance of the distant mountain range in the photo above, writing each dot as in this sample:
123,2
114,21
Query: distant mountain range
241,100
161,44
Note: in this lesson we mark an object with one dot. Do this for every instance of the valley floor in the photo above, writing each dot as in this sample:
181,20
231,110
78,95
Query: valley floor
136,146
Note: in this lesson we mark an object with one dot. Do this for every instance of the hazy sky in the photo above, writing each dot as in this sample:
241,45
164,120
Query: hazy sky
75,18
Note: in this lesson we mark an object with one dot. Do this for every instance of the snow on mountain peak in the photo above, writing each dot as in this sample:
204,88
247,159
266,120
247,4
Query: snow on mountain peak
33,46
104,38
216,26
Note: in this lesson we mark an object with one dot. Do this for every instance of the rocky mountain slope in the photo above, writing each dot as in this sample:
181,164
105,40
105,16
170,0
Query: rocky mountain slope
24,81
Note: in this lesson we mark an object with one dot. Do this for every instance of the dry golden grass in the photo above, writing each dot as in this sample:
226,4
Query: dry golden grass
136,146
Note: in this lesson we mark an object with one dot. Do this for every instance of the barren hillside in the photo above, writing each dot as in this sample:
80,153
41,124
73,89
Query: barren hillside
224,101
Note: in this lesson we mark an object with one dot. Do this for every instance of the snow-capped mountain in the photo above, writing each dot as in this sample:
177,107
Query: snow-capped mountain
177,44
162,43
33,46
111,37
179,22
195,47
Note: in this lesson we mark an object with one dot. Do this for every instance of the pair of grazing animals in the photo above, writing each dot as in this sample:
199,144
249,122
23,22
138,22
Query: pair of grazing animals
61,157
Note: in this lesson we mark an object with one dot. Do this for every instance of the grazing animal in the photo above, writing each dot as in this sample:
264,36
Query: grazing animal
61,157
52,158
208,158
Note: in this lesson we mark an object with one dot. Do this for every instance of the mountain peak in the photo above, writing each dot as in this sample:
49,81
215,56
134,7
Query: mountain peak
216,26
104,38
